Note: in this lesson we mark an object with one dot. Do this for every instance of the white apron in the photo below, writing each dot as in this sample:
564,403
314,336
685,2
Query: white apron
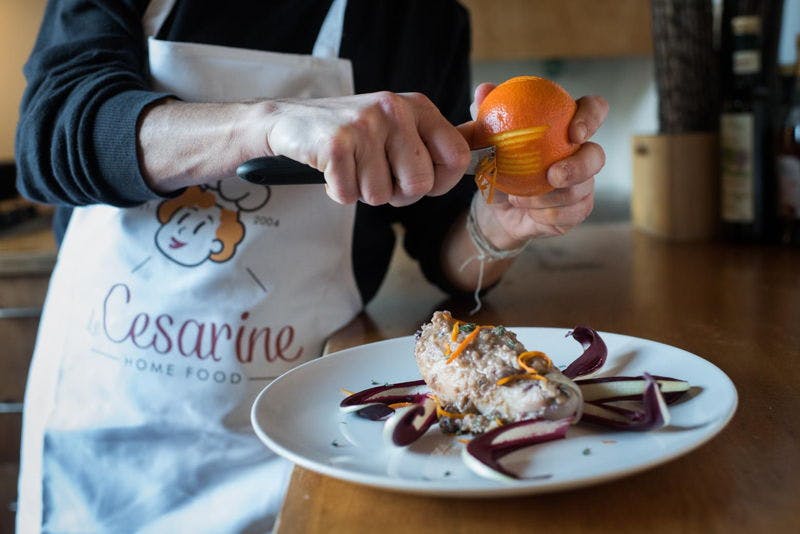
163,322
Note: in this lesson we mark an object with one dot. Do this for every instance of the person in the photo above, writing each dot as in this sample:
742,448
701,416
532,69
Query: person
180,290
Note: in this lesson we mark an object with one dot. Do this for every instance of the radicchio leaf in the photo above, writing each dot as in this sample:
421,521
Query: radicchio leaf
594,352
482,455
619,388
414,391
654,414
409,423
375,412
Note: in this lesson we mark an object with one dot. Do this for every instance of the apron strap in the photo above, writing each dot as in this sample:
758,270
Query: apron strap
154,16
326,45
330,35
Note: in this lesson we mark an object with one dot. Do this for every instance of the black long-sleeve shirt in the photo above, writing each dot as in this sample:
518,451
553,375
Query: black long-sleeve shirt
88,84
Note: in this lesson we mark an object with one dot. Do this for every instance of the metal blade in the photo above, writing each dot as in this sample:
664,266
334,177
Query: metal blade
477,156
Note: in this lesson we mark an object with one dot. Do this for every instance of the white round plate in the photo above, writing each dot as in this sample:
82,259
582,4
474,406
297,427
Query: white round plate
298,417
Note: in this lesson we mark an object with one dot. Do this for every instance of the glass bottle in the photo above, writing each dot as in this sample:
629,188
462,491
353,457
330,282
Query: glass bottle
788,166
745,138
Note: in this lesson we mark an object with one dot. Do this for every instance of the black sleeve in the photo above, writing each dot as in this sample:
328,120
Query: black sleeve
428,221
87,85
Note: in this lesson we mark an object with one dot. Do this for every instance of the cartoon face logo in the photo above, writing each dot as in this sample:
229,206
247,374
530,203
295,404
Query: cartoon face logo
196,226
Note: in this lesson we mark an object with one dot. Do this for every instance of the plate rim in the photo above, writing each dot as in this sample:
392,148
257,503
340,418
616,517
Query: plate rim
493,489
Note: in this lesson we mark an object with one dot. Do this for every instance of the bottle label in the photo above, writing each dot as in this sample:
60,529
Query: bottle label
746,61
789,186
736,144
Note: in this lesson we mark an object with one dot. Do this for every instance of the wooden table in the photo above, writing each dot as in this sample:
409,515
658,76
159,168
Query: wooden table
737,306
27,255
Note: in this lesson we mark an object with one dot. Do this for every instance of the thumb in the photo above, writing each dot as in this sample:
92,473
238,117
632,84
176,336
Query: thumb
467,128
480,93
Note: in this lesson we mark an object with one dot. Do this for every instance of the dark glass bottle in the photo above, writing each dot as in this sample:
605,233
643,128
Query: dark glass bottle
788,167
746,191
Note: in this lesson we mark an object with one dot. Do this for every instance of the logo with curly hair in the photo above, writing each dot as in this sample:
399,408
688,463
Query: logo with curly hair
203,222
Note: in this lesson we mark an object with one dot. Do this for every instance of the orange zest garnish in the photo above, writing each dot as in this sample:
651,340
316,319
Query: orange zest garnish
525,357
485,177
464,441
519,376
454,331
441,412
463,345
346,391
397,405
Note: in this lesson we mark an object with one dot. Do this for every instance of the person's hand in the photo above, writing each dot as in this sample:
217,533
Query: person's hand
512,220
378,148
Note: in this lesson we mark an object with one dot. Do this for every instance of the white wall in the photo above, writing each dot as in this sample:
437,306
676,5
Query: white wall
791,28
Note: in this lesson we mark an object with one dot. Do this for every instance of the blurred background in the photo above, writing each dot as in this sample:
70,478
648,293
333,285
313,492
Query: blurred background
600,47
604,47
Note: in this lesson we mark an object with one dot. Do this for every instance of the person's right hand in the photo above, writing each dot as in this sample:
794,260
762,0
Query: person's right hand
378,148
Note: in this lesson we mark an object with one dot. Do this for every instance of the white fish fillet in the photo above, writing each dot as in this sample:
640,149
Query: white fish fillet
468,384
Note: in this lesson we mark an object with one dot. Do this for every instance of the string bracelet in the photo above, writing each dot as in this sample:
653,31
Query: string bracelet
485,250
482,243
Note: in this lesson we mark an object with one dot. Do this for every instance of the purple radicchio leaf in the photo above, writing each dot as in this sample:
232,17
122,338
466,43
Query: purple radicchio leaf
413,391
482,455
653,415
594,352
375,412
409,423
622,388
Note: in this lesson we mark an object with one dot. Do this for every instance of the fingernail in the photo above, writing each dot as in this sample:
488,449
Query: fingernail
558,175
583,132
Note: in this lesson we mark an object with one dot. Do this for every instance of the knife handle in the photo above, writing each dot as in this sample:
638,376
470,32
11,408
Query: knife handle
278,170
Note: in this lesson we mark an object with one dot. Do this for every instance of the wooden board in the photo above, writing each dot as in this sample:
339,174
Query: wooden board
10,430
536,29
8,495
28,249
675,182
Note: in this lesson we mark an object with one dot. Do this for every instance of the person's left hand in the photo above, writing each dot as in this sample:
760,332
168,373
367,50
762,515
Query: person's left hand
510,220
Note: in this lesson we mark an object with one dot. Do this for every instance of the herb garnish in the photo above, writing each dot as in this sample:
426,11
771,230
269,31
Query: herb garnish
499,330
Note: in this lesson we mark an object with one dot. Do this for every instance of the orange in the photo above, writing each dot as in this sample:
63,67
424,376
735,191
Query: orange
527,119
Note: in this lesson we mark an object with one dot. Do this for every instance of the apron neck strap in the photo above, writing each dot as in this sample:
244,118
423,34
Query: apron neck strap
154,16
330,34
326,45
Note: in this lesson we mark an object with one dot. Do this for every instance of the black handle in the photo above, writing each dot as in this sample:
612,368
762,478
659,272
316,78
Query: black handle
278,170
